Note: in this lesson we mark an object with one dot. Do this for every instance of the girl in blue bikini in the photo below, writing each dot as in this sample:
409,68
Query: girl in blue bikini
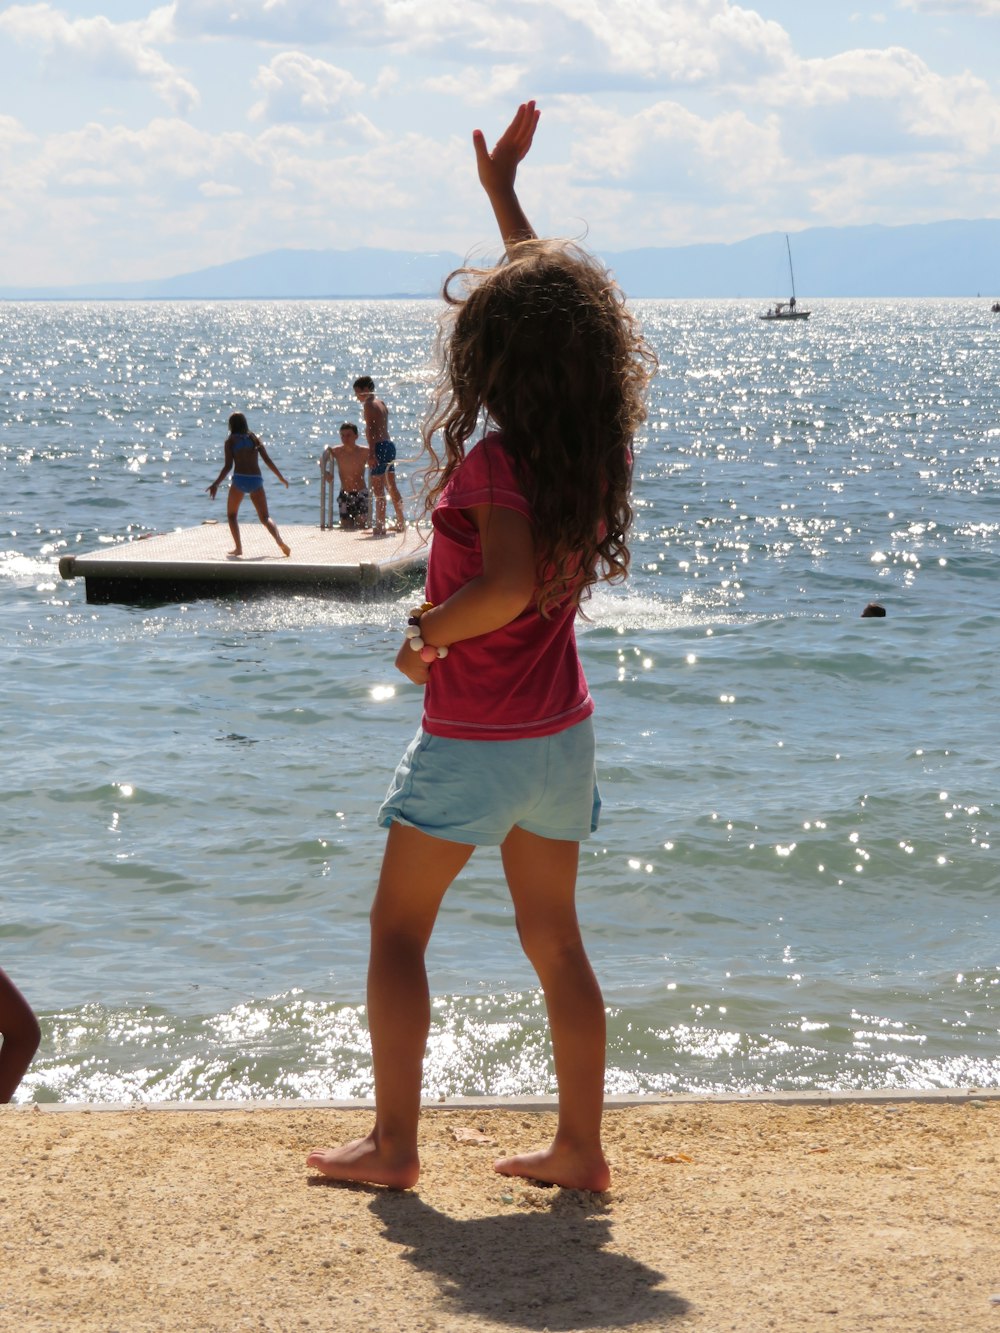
243,453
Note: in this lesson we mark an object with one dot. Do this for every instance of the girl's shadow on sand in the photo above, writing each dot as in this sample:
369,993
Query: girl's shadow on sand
545,1269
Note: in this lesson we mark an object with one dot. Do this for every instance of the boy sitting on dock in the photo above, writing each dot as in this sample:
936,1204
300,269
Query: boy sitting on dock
350,458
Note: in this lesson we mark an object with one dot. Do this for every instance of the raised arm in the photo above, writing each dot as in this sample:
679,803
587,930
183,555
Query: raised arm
497,172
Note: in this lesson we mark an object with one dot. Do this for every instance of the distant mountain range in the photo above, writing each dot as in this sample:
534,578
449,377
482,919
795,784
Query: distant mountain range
930,259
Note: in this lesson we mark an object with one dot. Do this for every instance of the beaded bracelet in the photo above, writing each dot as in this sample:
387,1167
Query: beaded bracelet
427,651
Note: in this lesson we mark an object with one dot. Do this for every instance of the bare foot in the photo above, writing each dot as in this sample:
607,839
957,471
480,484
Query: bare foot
237,551
559,1166
286,550
400,525
363,1160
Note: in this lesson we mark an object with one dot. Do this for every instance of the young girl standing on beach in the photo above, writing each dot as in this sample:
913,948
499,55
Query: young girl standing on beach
525,522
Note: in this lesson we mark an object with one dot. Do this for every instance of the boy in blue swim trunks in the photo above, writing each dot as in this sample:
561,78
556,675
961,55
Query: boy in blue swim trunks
381,455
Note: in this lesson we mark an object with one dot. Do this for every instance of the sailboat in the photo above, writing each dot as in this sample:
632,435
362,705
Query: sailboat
787,309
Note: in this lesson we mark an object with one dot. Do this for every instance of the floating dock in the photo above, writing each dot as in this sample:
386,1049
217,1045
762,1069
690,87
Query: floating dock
194,562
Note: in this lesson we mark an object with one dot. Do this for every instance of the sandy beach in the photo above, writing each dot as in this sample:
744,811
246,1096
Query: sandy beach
722,1215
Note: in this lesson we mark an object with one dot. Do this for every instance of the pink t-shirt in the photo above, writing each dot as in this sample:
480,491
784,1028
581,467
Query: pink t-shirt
522,680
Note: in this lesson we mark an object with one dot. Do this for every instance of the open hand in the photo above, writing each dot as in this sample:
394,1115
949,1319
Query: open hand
498,169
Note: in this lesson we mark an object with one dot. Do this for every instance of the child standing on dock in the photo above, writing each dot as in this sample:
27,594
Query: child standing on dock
526,521
381,455
244,452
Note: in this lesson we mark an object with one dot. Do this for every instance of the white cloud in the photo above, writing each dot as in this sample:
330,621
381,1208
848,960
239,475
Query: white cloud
159,201
561,42
12,135
670,150
475,89
16,175
843,139
681,42
881,103
388,79
101,48
215,190
985,8
304,22
297,87
663,123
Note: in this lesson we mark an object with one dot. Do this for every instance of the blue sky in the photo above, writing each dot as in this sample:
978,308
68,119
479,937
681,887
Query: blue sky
140,142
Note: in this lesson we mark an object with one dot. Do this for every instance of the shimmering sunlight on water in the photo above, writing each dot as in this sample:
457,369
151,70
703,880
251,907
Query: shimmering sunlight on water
795,883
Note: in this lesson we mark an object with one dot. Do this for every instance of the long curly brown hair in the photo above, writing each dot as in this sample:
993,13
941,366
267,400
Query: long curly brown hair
544,346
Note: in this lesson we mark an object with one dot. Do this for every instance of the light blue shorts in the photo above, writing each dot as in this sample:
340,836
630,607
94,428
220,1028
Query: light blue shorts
477,791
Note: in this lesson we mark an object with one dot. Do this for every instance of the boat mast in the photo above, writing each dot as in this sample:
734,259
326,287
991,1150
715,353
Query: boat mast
791,271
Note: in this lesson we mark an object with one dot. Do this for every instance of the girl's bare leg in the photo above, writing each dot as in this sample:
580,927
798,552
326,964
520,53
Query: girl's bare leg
541,874
260,504
232,507
378,523
416,871
19,1036
397,501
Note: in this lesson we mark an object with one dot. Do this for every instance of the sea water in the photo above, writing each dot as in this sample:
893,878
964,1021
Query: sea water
796,882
